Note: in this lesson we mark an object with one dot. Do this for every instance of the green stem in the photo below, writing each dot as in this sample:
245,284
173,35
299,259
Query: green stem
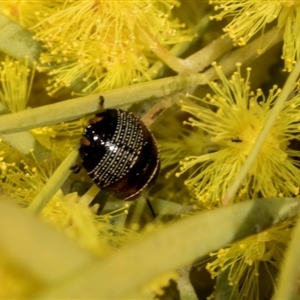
217,48
289,277
242,55
158,68
54,183
204,57
185,287
287,89
24,142
77,108
88,197
3,109
175,63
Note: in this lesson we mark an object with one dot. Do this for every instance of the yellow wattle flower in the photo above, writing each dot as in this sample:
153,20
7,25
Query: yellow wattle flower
255,256
69,212
26,12
102,46
60,138
250,17
233,117
15,83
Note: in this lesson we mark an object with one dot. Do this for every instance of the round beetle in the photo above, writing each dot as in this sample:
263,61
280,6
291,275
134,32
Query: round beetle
119,153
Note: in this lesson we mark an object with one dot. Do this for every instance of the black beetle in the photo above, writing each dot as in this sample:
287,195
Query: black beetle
119,153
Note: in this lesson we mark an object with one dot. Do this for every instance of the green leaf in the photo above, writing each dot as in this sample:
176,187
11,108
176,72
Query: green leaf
289,277
174,246
17,41
36,247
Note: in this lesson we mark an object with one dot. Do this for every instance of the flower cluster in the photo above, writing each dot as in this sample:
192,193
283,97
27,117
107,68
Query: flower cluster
68,212
249,258
27,13
250,17
15,83
233,117
61,138
98,45
102,45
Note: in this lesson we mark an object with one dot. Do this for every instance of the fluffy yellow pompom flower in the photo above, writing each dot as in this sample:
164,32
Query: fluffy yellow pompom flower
15,83
250,17
249,261
60,138
100,44
26,12
68,212
233,117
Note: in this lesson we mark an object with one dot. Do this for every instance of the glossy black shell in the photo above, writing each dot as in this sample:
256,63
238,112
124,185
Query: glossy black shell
119,153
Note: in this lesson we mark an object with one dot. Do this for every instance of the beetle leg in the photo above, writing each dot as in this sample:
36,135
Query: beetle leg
96,119
76,167
151,208
85,142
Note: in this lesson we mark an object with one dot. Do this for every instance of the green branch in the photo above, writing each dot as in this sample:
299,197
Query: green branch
77,108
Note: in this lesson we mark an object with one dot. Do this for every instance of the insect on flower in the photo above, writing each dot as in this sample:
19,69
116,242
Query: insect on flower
119,153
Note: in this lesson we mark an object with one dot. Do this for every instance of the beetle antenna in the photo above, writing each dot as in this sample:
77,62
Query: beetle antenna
101,104
151,208
101,99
